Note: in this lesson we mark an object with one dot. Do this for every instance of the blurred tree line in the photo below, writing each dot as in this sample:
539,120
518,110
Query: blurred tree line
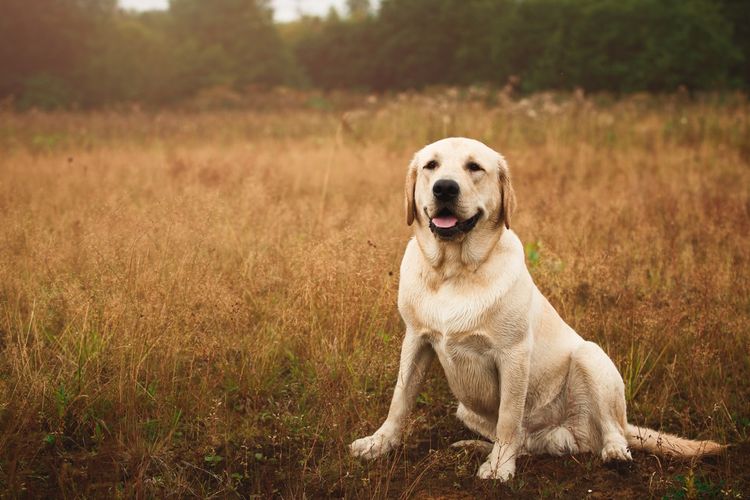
90,53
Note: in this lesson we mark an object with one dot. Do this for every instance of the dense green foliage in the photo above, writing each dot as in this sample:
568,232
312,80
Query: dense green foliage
87,52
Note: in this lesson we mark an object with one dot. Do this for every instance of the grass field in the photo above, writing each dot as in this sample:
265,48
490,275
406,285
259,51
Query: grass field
204,303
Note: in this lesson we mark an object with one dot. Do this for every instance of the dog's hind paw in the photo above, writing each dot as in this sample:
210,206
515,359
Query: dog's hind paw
474,444
616,451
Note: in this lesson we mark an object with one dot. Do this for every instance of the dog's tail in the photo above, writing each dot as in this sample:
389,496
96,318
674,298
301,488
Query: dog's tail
661,443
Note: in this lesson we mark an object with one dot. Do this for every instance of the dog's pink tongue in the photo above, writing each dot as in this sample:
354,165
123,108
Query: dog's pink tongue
445,222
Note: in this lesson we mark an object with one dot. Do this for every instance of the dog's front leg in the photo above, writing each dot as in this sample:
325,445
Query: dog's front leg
416,355
513,368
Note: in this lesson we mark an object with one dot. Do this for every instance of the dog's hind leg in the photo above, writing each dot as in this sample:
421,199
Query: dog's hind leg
596,403
481,425
556,441
477,423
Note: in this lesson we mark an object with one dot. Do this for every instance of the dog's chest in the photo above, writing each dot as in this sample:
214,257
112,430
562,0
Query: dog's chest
454,318
448,310
456,328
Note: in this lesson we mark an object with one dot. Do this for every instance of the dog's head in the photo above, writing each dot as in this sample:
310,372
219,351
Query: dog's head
458,186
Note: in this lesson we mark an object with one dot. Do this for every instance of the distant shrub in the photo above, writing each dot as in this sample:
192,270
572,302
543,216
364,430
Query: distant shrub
44,91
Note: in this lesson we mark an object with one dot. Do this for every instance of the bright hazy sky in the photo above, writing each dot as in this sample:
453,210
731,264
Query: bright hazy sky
284,10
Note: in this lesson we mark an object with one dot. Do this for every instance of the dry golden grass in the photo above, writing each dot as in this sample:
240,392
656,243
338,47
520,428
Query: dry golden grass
199,304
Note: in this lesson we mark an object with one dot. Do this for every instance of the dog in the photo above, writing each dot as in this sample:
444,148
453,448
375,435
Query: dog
523,378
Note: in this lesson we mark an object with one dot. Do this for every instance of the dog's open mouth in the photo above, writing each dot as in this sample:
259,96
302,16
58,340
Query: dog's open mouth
446,225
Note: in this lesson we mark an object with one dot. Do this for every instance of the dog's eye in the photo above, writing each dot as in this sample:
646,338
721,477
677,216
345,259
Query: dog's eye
431,165
474,166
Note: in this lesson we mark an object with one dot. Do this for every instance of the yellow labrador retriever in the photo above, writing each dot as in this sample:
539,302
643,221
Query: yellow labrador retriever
524,379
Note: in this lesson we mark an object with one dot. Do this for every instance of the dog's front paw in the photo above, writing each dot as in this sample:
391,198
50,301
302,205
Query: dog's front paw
500,464
501,471
373,446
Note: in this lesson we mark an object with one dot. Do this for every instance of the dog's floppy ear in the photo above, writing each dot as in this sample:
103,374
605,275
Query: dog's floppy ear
411,181
507,195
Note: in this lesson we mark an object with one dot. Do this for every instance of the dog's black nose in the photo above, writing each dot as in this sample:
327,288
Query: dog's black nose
445,189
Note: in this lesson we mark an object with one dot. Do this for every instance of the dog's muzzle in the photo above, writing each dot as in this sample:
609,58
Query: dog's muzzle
445,232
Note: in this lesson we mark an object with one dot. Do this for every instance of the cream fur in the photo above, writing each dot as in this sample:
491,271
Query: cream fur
524,379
